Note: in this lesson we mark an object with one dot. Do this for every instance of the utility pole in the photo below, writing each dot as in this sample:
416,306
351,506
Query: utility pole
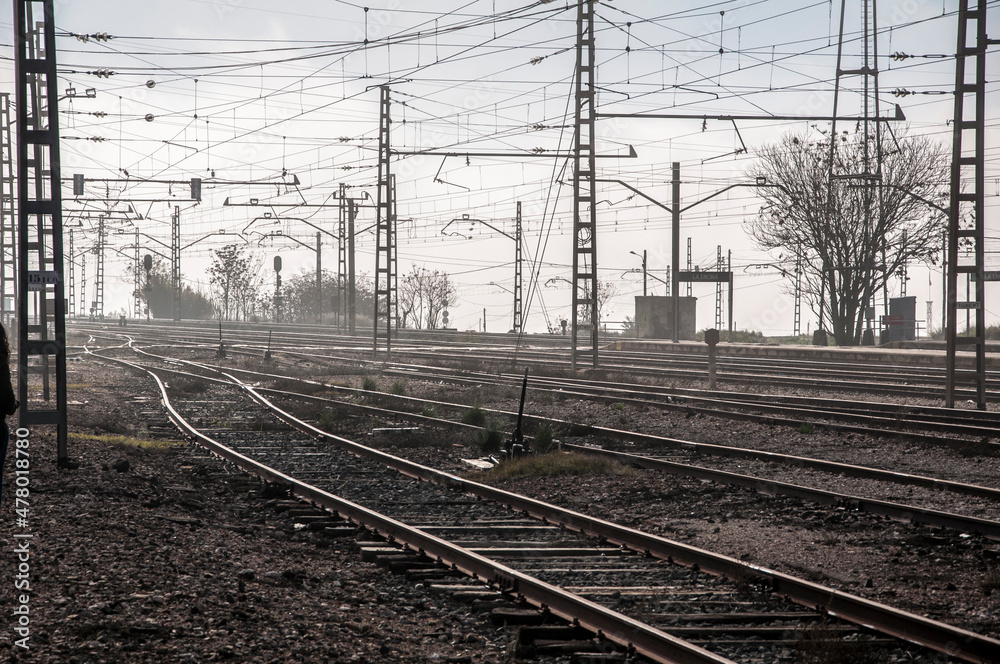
970,86
584,192
341,299
870,179
689,265
319,279
797,320
719,266
175,259
518,303
137,278
903,276
385,234
72,258
41,316
675,245
8,219
99,286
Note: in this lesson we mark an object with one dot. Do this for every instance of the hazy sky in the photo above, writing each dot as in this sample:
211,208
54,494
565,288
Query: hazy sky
236,91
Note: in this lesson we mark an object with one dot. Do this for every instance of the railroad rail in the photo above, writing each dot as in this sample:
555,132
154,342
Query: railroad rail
907,626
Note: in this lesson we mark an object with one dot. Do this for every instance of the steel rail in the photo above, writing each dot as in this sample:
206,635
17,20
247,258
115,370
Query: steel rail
735,415
623,630
898,511
955,641
546,356
711,449
960,428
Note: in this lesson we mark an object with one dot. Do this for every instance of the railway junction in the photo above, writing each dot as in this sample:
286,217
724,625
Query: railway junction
214,462
684,525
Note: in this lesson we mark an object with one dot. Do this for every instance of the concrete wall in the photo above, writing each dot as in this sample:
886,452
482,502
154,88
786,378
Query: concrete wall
654,317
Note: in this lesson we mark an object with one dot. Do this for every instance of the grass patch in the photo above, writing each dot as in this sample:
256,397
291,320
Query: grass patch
129,441
183,386
619,406
543,438
369,383
428,411
398,388
474,416
807,428
489,439
557,464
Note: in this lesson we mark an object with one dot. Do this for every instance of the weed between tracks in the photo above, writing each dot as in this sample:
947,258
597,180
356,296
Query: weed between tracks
186,386
128,441
556,464
489,439
474,416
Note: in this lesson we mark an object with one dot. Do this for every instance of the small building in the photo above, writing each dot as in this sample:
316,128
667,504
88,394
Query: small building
654,317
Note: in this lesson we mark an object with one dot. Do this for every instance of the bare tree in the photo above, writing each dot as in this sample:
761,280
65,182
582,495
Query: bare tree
236,276
423,294
606,291
853,233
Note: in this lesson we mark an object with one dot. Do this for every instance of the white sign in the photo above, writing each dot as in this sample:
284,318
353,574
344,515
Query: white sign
39,279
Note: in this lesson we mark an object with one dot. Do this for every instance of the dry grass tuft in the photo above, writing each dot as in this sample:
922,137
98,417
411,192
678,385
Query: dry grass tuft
557,464
129,441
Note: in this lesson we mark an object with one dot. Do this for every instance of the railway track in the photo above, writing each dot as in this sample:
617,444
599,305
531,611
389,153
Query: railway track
923,423
712,628
929,489
738,371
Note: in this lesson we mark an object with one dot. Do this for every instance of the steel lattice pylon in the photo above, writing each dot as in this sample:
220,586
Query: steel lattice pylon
40,310
341,309
385,234
517,272
8,220
967,215
585,323
175,259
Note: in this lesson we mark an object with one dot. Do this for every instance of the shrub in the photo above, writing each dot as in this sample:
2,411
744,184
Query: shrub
398,388
543,438
428,411
327,419
489,439
807,427
474,416
369,383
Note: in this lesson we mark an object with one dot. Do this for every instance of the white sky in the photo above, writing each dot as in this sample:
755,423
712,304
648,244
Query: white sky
247,91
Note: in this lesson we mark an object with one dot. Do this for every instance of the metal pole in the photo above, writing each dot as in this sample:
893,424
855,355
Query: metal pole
675,215
351,291
644,273
319,279
585,283
41,330
175,260
729,268
518,305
